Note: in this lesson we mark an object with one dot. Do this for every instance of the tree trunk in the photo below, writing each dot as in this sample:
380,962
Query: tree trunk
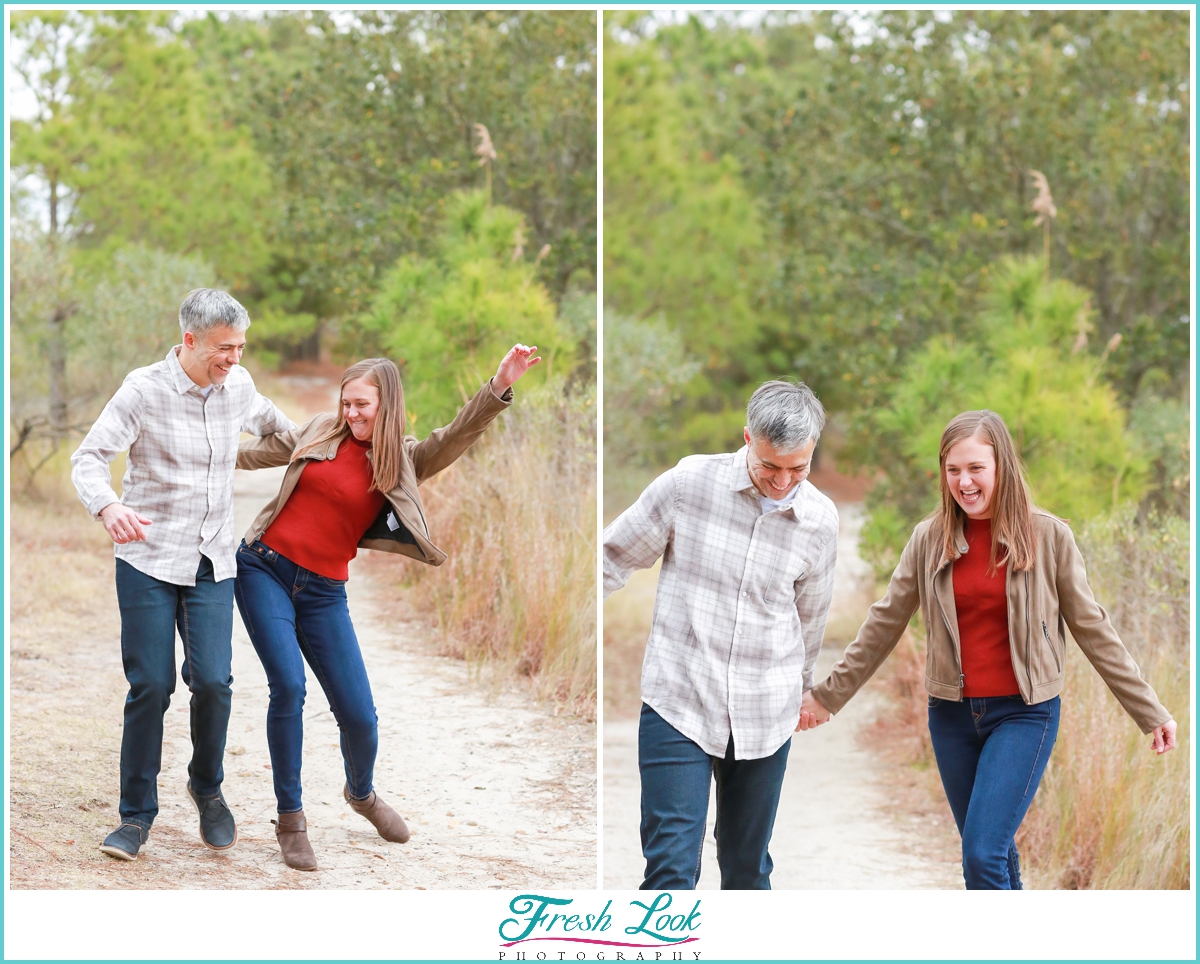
56,349
57,352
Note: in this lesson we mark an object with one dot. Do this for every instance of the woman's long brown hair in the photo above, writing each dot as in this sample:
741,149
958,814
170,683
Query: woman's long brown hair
1012,505
387,441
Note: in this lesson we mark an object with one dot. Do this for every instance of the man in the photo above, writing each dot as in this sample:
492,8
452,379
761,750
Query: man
748,550
180,420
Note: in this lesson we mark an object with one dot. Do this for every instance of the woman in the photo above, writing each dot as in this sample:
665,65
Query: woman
998,581
351,482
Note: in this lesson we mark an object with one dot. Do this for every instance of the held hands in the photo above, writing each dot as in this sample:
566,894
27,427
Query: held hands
517,362
124,525
1163,738
812,713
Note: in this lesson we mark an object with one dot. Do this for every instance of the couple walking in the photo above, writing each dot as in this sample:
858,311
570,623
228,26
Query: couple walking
352,481
748,548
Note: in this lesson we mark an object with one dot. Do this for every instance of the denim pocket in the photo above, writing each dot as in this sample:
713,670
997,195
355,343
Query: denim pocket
335,583
933,701
258,549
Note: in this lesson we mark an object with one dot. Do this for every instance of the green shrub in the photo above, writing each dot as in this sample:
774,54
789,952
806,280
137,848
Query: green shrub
447,320
1024,360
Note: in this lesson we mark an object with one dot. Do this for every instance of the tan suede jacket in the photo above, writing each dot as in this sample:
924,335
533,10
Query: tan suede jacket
400,526
1042,604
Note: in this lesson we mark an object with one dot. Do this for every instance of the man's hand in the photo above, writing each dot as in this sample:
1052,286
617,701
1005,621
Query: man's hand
1163,738
515,364
123,524
812,713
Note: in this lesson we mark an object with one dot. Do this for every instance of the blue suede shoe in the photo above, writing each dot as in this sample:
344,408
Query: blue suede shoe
217,828
124,842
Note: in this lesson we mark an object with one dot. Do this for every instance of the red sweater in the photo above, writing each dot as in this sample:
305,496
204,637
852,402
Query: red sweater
328,512
982,608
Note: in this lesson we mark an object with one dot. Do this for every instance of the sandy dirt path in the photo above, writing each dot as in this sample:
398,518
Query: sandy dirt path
497,792
839,825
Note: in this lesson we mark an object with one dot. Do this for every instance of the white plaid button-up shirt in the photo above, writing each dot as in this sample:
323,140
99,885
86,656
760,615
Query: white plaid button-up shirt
182,449
742,598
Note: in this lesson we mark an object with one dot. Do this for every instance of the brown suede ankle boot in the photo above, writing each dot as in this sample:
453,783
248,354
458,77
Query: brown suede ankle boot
291,830
390,824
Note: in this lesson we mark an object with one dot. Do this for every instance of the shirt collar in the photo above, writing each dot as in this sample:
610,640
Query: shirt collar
181,379
960,540
741,482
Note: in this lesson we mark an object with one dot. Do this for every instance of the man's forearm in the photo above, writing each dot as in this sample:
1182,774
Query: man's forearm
614,577
92,479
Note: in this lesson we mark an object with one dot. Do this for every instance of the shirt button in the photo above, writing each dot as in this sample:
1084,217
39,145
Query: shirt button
739,632
743,594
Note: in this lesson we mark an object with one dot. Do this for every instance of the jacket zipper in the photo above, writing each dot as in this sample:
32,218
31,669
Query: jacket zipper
946,622
420,511
1028,634
1050,643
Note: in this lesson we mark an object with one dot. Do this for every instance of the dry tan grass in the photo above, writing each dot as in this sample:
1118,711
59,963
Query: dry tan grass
517,517
1111,814
627,617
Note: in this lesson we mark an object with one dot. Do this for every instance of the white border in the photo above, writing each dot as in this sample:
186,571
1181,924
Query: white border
442,925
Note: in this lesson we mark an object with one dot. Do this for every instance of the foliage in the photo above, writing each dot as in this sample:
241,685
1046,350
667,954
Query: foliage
133,146
302,153
577,315
883,160
646,368
1021,361
682,238
42,279
367,121
122,318
448,319
1162,426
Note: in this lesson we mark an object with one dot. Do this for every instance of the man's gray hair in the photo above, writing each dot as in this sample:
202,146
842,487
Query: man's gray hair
786,414
207,308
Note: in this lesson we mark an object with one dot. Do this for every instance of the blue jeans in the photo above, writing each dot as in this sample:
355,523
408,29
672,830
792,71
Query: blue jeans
150,612
675,775
991,752
292,613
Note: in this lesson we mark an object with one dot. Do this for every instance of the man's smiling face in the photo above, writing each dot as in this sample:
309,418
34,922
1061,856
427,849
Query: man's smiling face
776,473
216,352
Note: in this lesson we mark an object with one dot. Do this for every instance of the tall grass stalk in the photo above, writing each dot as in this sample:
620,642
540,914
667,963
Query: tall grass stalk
1110,814
517,517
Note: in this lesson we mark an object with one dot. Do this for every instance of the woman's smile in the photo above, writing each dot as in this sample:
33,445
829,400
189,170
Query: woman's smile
360,407
971,476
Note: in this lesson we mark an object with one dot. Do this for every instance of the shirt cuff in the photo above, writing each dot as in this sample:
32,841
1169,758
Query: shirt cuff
102,502
507,397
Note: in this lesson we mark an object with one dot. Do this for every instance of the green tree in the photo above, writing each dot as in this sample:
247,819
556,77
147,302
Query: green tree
646,369
886,158
125,132
121,318
683,239
1021,360
368,122
448,319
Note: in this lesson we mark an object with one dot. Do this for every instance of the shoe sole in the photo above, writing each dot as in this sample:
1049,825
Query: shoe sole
228,846
117,852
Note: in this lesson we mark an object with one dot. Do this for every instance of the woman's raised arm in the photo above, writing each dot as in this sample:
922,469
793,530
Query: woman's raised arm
446,444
